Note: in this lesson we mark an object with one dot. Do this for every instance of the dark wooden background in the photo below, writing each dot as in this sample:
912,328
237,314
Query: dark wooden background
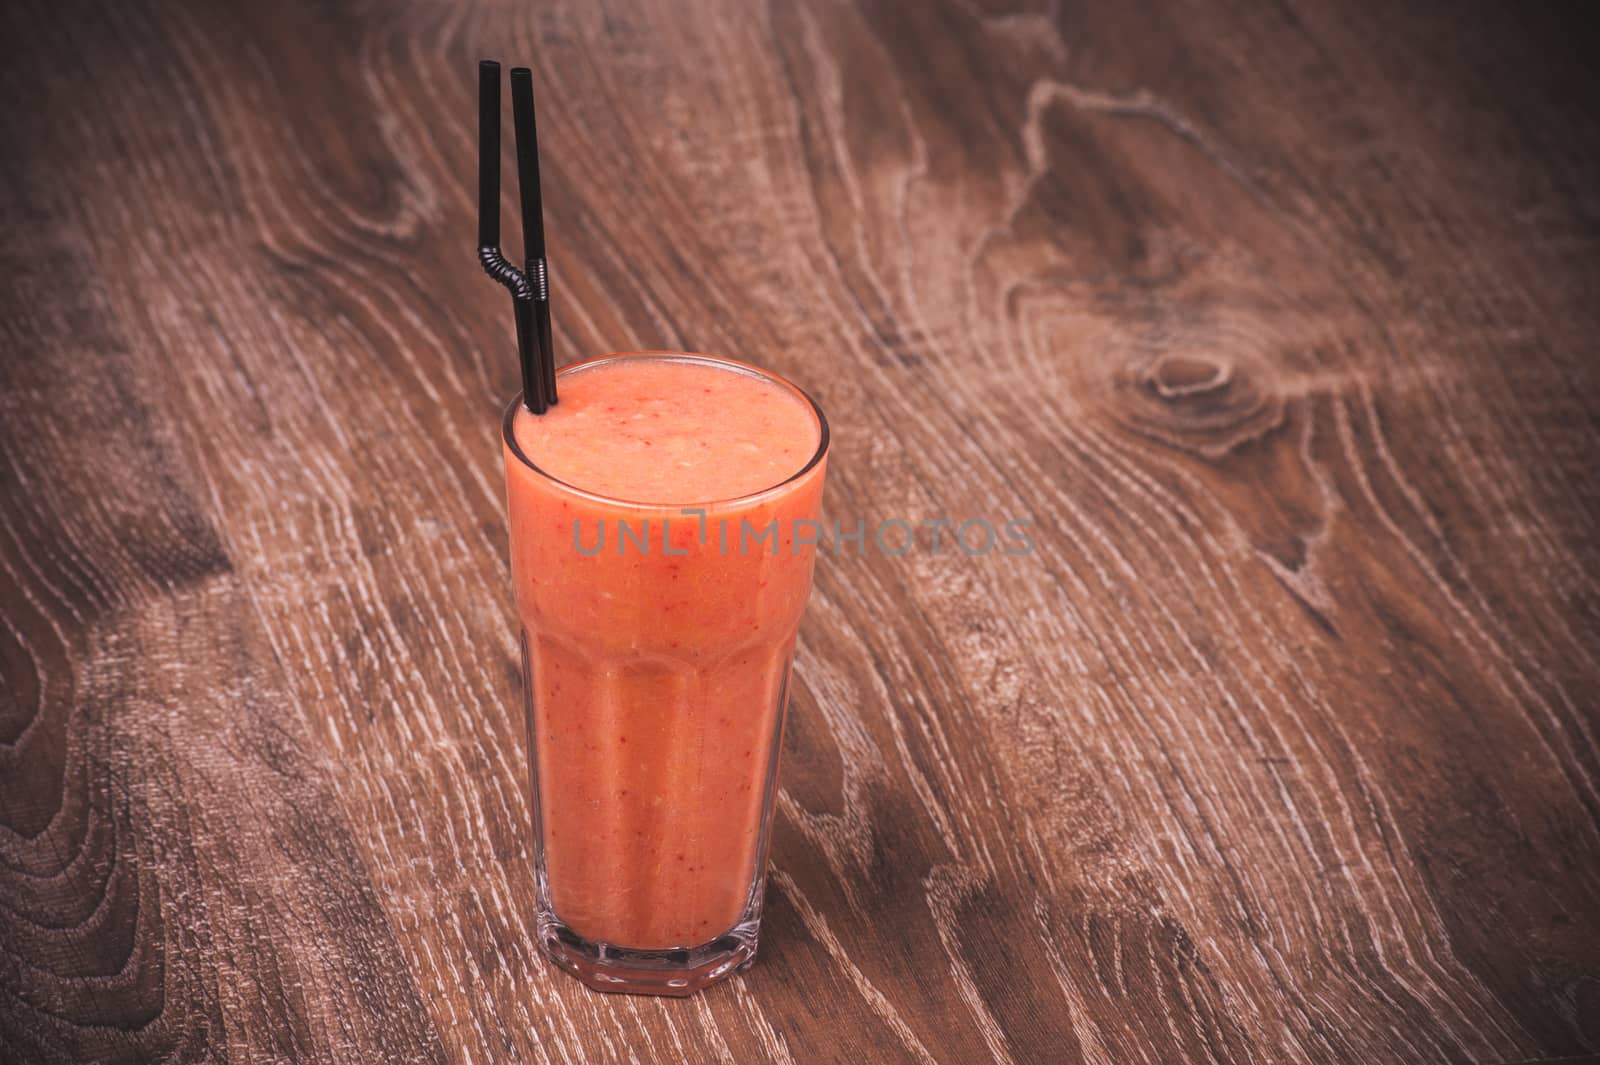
1279,322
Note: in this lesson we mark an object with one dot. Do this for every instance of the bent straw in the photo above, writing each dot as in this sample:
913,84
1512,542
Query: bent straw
536,269
489,154
494,263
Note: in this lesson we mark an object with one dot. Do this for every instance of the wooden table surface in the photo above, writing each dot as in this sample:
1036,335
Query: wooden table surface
1277,321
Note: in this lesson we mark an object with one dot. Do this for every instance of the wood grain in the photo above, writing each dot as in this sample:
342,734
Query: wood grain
1277,322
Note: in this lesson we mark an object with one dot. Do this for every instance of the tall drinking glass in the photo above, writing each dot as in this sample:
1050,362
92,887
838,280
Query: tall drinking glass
657,640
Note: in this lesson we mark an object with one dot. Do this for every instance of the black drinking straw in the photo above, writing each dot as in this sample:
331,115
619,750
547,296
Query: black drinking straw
535,268
530,291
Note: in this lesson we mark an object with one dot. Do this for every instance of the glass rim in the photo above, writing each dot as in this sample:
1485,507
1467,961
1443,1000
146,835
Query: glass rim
509,438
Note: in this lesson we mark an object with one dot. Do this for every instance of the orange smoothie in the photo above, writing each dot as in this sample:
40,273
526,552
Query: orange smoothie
657,642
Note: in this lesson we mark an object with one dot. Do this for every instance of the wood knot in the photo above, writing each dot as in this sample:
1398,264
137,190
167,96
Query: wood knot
1173,376
1198,402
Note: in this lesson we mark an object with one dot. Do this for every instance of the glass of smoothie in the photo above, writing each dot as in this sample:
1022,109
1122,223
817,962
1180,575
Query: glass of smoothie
663,520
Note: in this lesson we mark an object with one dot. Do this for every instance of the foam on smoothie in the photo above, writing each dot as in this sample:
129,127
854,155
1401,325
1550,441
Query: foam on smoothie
663,430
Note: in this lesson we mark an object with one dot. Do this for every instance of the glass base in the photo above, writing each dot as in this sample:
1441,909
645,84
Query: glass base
605,967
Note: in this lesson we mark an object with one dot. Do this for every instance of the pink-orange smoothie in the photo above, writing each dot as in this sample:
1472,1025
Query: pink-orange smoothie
659,642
